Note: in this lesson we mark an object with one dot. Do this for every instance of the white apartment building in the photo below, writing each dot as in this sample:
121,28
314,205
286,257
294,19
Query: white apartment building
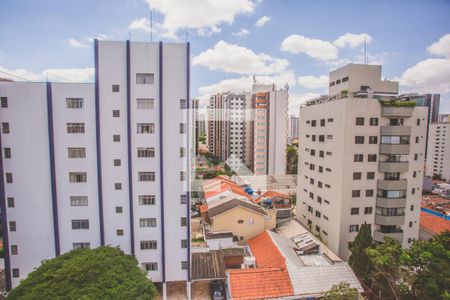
104,163
360,161
293,128
438,158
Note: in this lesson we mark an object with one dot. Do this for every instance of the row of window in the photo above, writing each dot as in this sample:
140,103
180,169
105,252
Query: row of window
141,103
82,177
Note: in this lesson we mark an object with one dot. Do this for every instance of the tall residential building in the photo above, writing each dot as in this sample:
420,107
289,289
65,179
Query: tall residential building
293,129
104,163
438,159
195,123
201,124
361,160
444,118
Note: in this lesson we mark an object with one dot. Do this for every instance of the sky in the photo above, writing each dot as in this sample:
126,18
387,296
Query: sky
294,42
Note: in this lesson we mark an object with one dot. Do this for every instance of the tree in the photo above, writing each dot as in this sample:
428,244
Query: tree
428,266
291,160
341,291
101,273
358,260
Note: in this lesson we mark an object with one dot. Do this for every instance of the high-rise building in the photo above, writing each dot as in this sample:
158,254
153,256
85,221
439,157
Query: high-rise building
444,118
361,160
104,163
201,124
293,129
195,123
438,158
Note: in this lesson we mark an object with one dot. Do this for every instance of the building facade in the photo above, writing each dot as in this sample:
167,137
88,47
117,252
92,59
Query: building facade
86,165
293,129
438,158
360,160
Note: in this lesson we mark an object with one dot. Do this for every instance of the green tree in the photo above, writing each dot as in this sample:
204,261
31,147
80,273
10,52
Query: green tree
428,265
291,160
101,273
341,291
358,260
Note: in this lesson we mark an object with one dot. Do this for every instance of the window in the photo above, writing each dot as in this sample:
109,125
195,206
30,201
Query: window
76,152
395,139
418,122
372,157
147,222
116,113
75,127
152,266
80,224
10,201
119,209
9,177
313,137
320,169
148,245
182,128
77,176
7,152
146,199
183,103
4,102
145,103
358,158
145,128
5,128
313,123
373,140
12,226
373,121
368,210
356,175
411,208
413,191
183,221
354,228
182,152
116,138
81,245
184,265
183,199
146,176
319,199
369,193
321,153
15,273
75,103
184,243
330,120
115,88
146,152
312,152
356,193
359,121
318,214
415,174
416,156
322,122
370,175
145,78
240,221
354,211
119,232
117,186
417,139
78,200
359,139
321,138
345,79
117,163
14,250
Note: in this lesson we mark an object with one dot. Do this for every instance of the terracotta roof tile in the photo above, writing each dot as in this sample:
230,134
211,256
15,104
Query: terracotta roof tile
270,194
220,184
433,223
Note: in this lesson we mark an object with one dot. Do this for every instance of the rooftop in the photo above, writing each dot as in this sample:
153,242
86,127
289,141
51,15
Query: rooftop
433,224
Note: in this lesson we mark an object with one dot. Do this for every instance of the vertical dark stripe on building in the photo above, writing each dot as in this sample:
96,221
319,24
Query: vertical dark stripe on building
130,166
161,160
188,192
51,148
99,148
4,222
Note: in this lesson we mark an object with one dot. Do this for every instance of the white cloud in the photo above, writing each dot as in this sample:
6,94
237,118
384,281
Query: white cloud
441,47
204,16
313,82
427,76
295,100
242,33
235,59
56,75
78,44
245,83
315,48
141,24
262,21
352,40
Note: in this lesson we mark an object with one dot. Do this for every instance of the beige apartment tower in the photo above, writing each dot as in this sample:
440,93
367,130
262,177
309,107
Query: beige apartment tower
361,160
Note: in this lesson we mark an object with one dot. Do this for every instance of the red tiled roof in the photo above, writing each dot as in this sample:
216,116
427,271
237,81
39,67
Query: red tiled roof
269,280
270,194
433,223
221,184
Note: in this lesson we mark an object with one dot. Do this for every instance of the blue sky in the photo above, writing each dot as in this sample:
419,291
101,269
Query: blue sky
300,42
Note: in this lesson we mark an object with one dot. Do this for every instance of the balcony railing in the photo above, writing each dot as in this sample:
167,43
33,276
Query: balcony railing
380,235
390,220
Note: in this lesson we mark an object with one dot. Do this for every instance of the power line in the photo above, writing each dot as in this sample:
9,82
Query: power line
14,75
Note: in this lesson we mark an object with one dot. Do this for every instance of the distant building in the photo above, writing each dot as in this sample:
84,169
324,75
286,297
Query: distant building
438,158
201,124
195,123
444,118
293,129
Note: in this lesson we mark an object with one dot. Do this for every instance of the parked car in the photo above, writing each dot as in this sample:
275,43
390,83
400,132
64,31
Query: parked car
217,291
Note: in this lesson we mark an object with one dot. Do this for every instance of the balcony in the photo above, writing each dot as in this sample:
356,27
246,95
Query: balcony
393,185
389,112
391,202
389,220
395,130
385,166
379,235
394,148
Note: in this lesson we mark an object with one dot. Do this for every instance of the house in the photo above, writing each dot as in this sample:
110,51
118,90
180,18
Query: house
294,267
431,225
276,200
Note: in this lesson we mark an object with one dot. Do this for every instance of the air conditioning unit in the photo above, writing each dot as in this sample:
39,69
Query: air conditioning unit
249,261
